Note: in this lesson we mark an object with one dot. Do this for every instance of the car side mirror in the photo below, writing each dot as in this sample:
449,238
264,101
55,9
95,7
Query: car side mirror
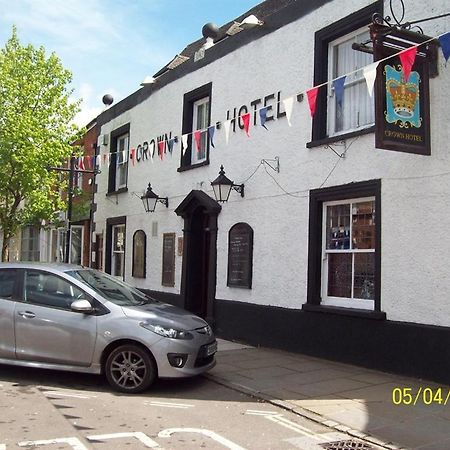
82,306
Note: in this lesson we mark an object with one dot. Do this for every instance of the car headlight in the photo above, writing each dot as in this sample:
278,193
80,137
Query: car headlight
166,331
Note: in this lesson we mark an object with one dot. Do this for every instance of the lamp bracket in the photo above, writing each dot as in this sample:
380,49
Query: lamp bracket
275,161
238,188
164,201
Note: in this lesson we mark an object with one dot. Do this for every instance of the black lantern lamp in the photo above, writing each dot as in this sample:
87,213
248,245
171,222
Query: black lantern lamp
222,186
149,199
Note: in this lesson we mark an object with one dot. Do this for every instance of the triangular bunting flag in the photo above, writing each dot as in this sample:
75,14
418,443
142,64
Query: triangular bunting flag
161,148
98,162
370,73
226,126
80,163
198,139
444,40
288,107
407,58
132,155
170,145
338,85
312,98
246,121
184,143
263,116
211,131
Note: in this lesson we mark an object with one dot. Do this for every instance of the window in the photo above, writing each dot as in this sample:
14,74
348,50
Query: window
349,253
196,116
118,167
122,162
201,122
139,250
47,289
357,107
344,260
118,251
76,244
7,281
333,58
58,245
168,260
30,244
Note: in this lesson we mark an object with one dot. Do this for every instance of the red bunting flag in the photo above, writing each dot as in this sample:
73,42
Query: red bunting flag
198,139
246,121
132,154
407,58
161,146
80,163
312,97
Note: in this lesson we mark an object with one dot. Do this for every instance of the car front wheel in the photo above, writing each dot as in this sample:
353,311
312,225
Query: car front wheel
129,368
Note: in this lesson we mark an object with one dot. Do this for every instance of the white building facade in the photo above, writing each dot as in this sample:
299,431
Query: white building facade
336,248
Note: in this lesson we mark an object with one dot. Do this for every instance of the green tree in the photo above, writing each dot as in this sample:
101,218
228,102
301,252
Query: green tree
36,131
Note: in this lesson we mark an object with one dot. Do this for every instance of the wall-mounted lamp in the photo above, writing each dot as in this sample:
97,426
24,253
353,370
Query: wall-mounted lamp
222,186
149,199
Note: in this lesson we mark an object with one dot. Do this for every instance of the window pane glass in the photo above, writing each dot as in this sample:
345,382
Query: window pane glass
340,275
338,227
7,279
139,255
117,266
49,290
364,276
363,225
119,238
76,245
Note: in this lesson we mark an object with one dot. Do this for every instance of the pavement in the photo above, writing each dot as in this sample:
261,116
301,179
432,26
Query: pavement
377,409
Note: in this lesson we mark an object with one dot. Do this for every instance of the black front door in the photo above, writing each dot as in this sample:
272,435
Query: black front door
198,264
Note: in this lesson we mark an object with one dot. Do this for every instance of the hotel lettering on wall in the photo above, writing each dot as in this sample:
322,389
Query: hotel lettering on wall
402,107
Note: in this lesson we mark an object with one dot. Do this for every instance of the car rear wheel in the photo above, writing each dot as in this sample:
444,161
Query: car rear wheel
129,368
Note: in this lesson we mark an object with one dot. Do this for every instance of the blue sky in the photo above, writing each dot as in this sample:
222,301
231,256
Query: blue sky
111,45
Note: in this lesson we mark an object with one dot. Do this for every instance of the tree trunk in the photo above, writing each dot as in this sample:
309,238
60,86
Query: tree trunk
5,248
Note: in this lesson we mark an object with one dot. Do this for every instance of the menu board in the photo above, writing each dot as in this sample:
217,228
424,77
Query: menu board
168,260
240,256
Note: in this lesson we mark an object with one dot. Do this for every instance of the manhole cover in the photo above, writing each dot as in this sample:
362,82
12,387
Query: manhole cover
347,445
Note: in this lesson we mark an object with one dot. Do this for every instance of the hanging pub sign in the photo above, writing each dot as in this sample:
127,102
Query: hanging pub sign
402,104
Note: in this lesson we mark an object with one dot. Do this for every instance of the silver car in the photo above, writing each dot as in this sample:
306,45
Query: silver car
67,317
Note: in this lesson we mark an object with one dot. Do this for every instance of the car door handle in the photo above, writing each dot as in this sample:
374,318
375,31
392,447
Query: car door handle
27,314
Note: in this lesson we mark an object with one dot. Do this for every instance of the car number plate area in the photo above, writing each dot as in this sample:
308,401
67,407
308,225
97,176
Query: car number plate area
211,349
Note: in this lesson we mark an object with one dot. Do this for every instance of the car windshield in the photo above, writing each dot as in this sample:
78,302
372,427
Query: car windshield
110,288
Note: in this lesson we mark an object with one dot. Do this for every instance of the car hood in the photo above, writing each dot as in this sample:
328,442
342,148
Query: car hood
165,314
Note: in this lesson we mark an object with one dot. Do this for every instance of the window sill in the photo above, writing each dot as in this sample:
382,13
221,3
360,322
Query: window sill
119,191
340,137
193,166
352,312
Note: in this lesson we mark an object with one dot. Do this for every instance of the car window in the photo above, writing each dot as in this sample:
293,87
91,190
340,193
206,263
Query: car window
47,289
110,288
7,280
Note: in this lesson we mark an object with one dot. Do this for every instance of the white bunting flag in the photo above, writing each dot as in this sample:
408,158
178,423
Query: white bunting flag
184,143
288,106
370,73
226,126
98,161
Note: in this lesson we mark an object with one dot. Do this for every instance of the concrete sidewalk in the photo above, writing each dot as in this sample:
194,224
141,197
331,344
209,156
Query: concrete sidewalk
349,399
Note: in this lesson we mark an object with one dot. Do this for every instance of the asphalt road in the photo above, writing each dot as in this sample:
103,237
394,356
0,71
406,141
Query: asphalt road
59,410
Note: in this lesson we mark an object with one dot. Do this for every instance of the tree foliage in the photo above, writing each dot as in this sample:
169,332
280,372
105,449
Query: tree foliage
36,132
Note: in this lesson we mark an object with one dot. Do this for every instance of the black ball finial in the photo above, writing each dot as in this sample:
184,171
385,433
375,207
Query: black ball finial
107,99
210,30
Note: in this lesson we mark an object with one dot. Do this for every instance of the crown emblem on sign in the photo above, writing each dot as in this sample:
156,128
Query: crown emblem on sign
404,97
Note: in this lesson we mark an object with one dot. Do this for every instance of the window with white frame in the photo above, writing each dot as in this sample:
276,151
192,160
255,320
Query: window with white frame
76,244
348,253
200,121
118,251
29,249
356,110
57,244
122,161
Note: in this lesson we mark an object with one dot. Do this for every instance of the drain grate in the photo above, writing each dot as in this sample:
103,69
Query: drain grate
347,445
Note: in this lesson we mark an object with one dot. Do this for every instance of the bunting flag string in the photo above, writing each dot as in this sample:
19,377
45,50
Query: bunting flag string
407,58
